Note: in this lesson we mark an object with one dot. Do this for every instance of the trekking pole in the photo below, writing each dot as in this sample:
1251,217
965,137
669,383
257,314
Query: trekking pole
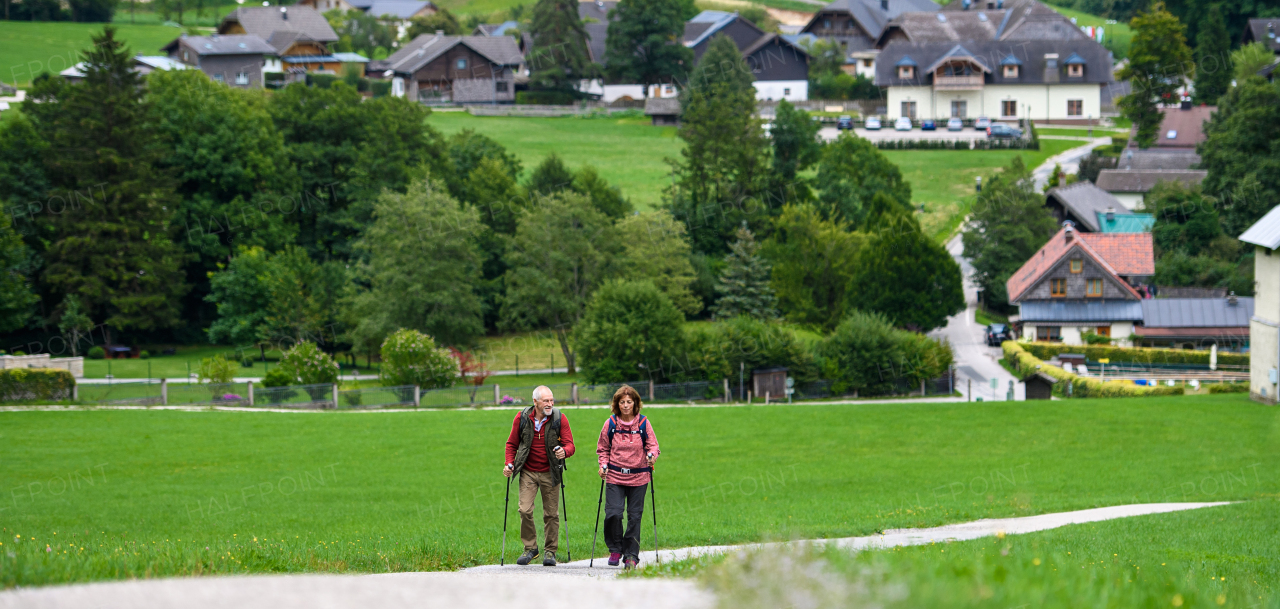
564,506
653,499
506,507
592,562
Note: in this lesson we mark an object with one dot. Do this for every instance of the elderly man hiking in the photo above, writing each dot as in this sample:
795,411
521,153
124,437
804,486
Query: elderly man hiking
539,443
626,449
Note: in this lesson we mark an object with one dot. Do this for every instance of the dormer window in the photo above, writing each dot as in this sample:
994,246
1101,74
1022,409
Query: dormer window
1075,69
906,72
1011,71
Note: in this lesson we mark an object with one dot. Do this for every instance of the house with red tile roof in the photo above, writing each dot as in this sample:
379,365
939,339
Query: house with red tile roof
1082,283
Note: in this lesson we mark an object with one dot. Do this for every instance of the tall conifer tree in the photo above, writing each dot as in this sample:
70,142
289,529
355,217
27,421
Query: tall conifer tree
743,288
559,56
1213,58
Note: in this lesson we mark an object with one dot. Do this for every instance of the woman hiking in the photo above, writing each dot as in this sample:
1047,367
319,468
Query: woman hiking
627,449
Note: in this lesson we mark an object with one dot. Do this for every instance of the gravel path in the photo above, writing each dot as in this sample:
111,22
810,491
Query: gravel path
569,585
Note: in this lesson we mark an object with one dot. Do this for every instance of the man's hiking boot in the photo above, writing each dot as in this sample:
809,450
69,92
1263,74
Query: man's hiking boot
549,559
630,563
527,556
614,557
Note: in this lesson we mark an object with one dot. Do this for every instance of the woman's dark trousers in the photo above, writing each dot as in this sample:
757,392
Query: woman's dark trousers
628,543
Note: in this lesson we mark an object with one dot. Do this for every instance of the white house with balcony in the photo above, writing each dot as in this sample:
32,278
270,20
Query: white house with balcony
1049,80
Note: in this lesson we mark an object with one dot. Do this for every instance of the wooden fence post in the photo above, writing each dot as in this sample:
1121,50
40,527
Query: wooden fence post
75,392
417,396
573,388
251,393
497,394
335,396
164,392
726,390
650,390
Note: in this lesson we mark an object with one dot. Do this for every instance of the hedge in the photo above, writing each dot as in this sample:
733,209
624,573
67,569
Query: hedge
1140,355
35,384
549,98
1082,387
987,144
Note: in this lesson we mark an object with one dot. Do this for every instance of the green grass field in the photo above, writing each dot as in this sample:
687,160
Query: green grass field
1117,36
115,494
29,48
1212,557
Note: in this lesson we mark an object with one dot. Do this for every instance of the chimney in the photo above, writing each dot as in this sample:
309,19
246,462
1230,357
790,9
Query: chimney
1111,214
1232,300
284,13
439,33
1068,232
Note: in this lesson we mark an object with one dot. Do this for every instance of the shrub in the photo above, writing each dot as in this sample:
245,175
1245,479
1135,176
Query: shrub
1082,387
322,81
1093,338
867,355
1141,355
630,330
410,357
380,88
550,98
30,384
19,353
719,350
94,353
306,363
1229,388
216,369
246,362
144,355
278,377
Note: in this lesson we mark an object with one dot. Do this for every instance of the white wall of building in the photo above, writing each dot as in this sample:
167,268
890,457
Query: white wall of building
1039,102
1072,334
1264,328
1130,200
790,90
612,93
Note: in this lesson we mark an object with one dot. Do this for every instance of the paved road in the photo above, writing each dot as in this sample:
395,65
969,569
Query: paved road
568,586
1070,160
975,361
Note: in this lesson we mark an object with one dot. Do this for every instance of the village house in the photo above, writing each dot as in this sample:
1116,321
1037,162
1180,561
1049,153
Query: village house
299,37
439,69
780,67
235,60
857,26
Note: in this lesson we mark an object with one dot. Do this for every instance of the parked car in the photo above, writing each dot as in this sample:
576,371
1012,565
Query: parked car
844,123
996,334
1003,131
902,124
928,125
872,124
955,124
981,123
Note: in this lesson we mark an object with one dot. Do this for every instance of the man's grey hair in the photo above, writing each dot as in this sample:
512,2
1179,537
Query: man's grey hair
542,391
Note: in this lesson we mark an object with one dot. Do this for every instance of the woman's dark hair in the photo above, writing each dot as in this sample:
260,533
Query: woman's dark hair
626,390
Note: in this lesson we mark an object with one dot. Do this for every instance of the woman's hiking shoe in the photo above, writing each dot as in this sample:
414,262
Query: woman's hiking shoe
549,559
614,557
630,563
527,556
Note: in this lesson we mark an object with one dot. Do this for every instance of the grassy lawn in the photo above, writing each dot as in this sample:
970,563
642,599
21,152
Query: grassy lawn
1116,36
985,318
943,181
1212,557
211,17
629,152
29,48
96,495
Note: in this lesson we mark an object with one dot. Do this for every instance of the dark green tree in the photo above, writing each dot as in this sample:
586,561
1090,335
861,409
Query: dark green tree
92,11
605,196
1213,58
642,46
549,177
908,277
1241,154
16,296
867,356
722,169
814,260
1190,247
850,175
110,244
1009,223
795,142
73,323
559,256
654,248
441,20
241,297
360,32
558,59
466,150
1092,165
304,297
1158,60
1247,60
743,288
630,330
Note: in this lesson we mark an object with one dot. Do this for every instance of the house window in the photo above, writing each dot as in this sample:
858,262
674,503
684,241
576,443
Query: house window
906,72
1011,71
1057,287
826,24
500,86
218,77
909,109
242,78
1075,69
866,63
786,92
959,109
1094,288
1009,108
1077,265
1050,333
461,63
1104,331
185,57
1075,107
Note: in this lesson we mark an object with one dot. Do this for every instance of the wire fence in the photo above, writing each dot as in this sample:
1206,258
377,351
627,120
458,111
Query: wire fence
142,393
311,397
376,397
216,394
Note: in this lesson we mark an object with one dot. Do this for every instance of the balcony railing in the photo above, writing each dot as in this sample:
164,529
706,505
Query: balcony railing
957,83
